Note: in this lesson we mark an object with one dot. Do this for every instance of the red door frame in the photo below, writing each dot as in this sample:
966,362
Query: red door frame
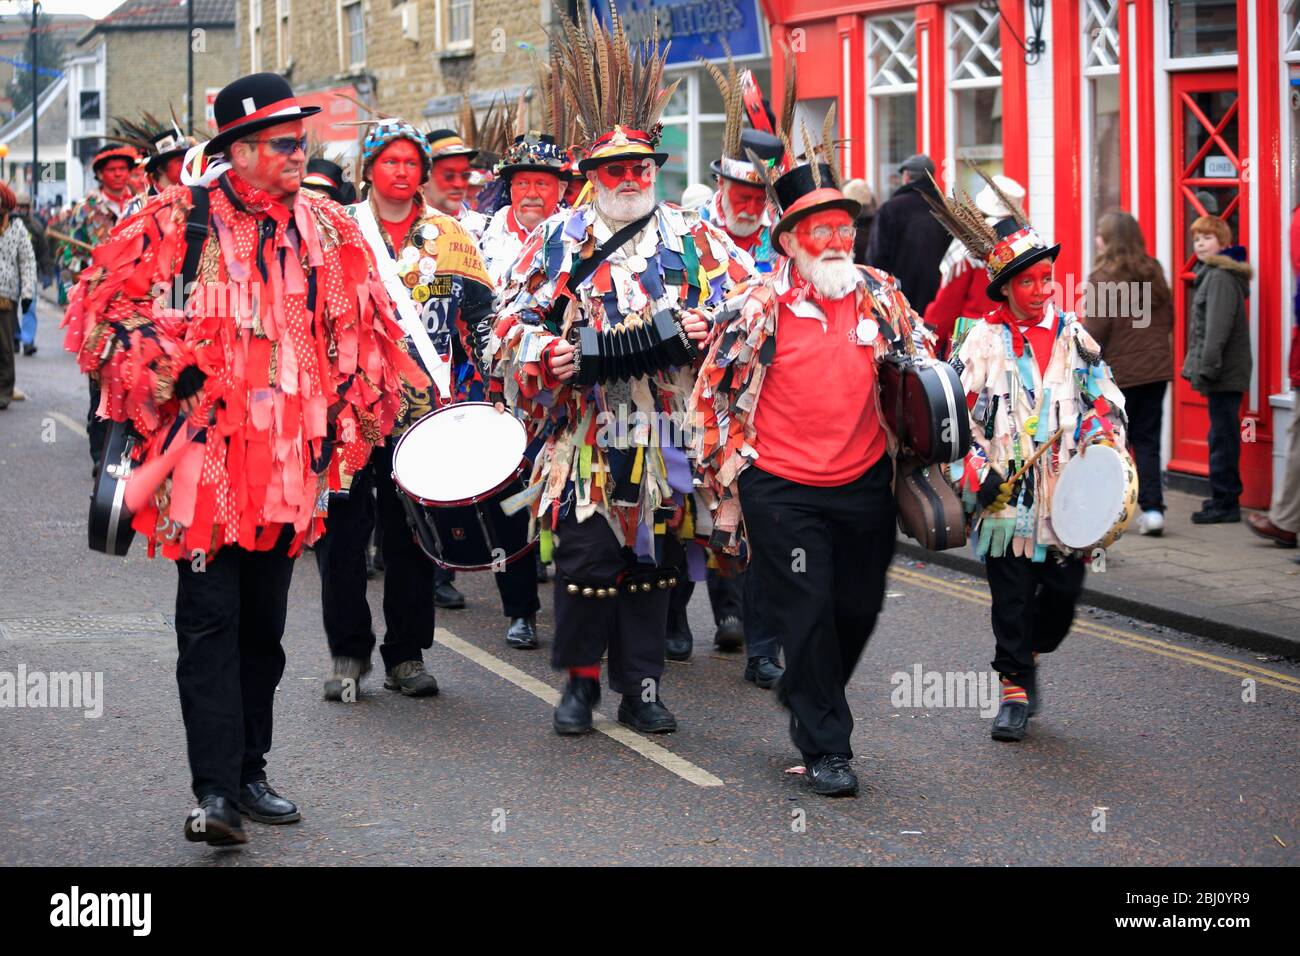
1190,449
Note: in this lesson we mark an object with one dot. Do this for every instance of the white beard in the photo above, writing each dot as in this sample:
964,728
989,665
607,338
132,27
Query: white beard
626,208
830,278
742,229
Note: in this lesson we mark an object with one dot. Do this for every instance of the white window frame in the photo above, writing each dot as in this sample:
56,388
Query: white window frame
955,84
283,40
346,63
81,129
255,36
1108,67
892,84
468,42
692,119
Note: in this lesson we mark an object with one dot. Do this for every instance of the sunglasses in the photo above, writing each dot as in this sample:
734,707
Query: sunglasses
617,172
285,145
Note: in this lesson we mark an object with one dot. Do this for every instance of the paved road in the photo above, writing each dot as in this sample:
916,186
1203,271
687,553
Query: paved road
1150,725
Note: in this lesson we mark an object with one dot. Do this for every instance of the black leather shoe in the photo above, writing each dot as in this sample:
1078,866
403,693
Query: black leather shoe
680,641
1012,721
1217,514
831,776
445,595
763,671
646,716
259,802
730,635
522,633
573,715
215,821
29,349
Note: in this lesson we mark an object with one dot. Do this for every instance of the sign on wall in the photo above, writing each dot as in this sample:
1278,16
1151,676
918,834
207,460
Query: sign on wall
696,28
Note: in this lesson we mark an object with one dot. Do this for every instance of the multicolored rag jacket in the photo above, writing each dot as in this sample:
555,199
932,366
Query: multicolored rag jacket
501,242
764,255
1015,409
444,276
287,343
613,448
90,222
730,383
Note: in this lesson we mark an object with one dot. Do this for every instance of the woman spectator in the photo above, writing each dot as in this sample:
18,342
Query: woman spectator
1130,314
859,191
17,289
1218,361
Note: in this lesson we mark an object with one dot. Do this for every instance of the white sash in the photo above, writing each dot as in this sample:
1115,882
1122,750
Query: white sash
438,367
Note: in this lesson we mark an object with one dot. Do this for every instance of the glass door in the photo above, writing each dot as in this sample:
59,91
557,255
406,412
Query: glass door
1207,181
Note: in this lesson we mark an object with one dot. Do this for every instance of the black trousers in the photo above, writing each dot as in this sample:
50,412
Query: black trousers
633,628
732,595
1145,407
8,330
1225,447
820,556
229,622
408,572
96,428
517,585
1033,608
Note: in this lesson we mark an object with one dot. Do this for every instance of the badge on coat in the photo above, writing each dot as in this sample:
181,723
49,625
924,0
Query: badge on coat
867,331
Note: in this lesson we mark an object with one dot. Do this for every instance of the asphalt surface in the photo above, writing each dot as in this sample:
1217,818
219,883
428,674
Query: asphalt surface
1149,724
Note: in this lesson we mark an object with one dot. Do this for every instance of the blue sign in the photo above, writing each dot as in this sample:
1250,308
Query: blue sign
697,28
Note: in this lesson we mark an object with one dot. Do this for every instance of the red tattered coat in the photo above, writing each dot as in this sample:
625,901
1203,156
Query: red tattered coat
299,350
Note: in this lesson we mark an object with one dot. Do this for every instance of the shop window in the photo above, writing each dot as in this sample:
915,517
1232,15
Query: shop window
1101,96
1202,27
891,99
975,91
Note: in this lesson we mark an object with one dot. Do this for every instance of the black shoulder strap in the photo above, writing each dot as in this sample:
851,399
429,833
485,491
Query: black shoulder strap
589,265
196,232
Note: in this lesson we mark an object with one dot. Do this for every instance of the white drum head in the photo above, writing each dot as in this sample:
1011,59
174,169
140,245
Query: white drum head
1089,497
459,452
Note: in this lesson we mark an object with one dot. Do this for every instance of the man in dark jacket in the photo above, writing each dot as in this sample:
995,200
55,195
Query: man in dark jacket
906,240
1218,361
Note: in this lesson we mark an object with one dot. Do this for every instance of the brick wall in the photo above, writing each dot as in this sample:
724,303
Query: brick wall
146,71
410,76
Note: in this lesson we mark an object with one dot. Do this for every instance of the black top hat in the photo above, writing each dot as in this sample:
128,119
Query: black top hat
327,176
801,193
1018,248
444,143
251,103
741,169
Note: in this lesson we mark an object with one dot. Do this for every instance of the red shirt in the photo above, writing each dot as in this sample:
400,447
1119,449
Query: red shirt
816,421
1042,338
397,230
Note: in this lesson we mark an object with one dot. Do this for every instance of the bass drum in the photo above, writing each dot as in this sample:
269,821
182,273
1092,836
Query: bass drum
455,468
1095,498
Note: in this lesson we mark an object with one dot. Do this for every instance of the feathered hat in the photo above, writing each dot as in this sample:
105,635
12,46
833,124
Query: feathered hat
539,150
1007,248
812,179
738,141
614,90
155,140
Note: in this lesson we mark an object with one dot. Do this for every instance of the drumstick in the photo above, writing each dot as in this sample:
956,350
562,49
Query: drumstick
1035,456
68,239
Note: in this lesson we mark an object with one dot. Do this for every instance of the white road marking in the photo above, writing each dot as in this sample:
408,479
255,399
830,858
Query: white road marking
68,423
545,692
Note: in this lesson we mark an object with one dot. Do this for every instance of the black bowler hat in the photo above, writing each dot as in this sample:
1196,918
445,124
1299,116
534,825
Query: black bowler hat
251,103
806,189
327,177
444,143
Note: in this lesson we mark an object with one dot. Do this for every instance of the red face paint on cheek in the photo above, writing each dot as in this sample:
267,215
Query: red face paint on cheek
1029,291
115,175
744,199
172,169
831,220
397,170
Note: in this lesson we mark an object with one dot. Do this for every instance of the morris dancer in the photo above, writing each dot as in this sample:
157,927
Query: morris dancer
439,288
1028,369
248,411
89,223
612,504
161,148
741,208
326,176
791,430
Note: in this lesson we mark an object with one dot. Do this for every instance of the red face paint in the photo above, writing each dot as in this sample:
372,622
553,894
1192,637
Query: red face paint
1028,292
397,171
115,175
822,231
448,183
744,198
573,190
278,174
534,196
639,171
171,170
